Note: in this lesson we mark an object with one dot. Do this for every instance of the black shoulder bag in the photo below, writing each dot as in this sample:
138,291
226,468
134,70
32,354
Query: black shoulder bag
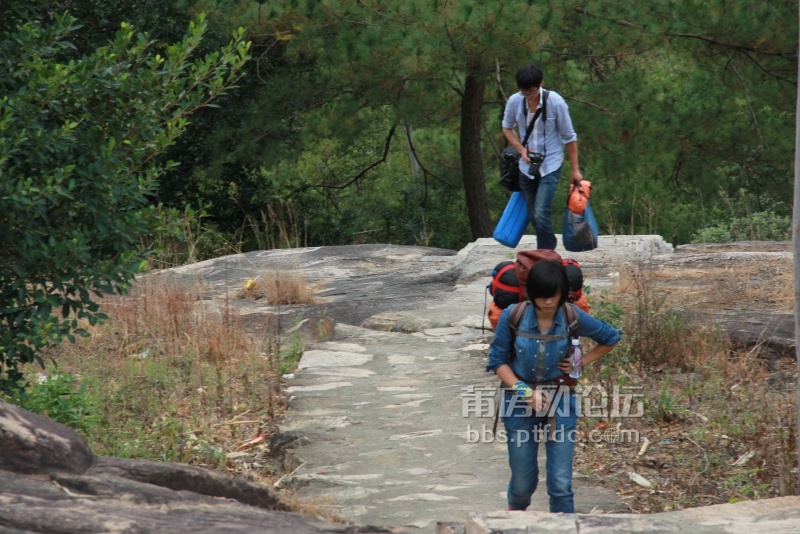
509,159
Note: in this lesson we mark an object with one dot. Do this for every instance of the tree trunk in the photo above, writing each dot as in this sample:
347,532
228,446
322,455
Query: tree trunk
471,159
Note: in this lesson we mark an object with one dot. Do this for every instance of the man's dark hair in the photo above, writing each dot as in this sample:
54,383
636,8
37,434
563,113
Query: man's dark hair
529,76
546,279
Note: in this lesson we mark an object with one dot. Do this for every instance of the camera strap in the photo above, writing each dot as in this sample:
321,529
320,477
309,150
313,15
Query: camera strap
529,126
545,94
542,110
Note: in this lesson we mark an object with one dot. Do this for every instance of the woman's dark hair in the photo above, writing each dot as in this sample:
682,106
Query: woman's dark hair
529,76
546,279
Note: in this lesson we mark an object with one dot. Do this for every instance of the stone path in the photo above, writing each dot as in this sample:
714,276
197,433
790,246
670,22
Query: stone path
381,419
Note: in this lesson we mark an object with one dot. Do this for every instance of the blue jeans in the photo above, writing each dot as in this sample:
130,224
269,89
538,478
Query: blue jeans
523,447
539,194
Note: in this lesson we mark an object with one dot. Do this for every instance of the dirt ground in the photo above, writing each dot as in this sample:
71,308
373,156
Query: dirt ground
719,421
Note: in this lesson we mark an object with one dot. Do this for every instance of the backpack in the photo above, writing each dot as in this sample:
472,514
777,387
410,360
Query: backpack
504,286
575,279
509,279
526,259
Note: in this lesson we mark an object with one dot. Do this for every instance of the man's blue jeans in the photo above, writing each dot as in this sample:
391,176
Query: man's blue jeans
539,194
523,447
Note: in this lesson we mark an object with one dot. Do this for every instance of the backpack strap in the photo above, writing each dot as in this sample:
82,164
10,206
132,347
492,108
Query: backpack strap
571,316
514,319
545,94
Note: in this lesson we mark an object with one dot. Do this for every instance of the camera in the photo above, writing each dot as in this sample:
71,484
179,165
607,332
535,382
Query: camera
536,162
536,158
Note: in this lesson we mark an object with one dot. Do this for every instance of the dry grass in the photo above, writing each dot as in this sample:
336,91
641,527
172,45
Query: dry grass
763,284
721,425
277,288
280,227
171,378
174,381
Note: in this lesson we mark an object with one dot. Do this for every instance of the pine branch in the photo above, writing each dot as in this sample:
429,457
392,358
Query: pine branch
582,11
572,99
381,14
369,167
732,46
746,95
499,80
769,72
704,38
421,166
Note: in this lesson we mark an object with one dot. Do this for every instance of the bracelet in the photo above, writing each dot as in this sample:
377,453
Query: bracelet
522,390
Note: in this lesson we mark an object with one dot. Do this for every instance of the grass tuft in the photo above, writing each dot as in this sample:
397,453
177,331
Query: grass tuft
277,289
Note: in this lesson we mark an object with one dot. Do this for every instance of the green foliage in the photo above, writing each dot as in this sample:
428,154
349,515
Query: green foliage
668,408
744,486
79,140
744,221
54,396
671,101
761,226
290,355
603,308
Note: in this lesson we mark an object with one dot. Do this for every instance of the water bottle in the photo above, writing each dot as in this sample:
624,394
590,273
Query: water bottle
575,365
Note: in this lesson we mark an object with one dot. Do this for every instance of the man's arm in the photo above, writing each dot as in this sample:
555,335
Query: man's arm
513,140
572,152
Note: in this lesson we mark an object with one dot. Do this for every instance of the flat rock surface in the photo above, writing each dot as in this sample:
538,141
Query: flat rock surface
351,283
777,515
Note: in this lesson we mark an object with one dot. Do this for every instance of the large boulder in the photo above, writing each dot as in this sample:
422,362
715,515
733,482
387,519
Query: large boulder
35,444
51,482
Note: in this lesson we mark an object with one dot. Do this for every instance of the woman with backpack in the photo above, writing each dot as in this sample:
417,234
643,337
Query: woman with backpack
535,355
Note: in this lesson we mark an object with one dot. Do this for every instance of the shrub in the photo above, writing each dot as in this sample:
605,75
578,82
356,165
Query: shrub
79,144
747,220
55,396
761,226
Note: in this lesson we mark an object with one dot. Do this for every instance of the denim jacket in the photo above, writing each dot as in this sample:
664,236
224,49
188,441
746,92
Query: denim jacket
524,365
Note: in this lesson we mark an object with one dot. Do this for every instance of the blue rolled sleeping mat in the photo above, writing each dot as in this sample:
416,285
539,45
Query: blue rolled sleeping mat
513,221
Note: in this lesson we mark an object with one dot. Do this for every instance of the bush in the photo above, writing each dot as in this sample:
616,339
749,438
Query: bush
79,144
747,220
54,396
762,226
164,378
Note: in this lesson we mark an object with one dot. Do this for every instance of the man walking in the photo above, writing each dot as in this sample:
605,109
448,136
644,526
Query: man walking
540,161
